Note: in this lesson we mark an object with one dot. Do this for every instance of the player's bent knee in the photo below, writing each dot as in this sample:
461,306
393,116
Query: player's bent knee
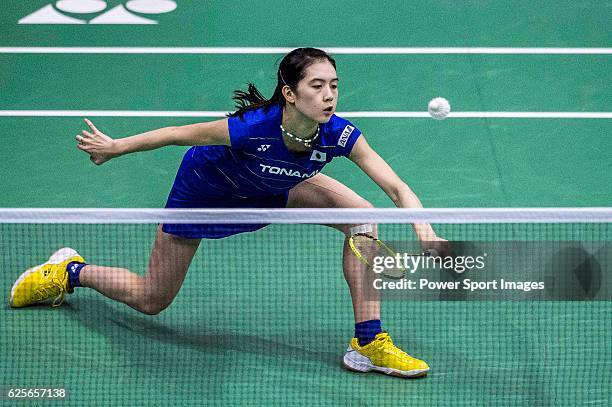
350,230
153,303
153,308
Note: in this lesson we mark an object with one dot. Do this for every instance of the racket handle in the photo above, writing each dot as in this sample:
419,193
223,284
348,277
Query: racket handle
431,253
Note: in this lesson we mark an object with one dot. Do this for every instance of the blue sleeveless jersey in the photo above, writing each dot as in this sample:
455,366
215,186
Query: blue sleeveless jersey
256,170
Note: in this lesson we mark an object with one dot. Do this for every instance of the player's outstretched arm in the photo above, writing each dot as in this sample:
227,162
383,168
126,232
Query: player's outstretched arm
102,148
383,175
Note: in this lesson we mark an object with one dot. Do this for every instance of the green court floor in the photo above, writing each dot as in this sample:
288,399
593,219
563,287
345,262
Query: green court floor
243,330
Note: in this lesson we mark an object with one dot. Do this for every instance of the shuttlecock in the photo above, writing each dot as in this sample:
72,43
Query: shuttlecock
438,108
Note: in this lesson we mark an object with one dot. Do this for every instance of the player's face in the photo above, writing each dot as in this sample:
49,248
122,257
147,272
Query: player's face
317,93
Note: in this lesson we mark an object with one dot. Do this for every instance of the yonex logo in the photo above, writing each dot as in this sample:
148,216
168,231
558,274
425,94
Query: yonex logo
318,156
263,147
346,133
94,12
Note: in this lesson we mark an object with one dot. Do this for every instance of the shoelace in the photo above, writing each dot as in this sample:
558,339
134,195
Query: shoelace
46,290
387,345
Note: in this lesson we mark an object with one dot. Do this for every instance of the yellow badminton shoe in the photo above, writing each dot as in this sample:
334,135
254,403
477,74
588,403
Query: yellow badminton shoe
381,355
46,281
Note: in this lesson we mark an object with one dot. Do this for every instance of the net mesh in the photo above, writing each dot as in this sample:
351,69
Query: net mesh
264,318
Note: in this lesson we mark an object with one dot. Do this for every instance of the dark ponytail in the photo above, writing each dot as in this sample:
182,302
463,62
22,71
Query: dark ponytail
291,70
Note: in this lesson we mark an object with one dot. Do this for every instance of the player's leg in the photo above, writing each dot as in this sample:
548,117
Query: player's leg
154,291
322,191
151,293
366,352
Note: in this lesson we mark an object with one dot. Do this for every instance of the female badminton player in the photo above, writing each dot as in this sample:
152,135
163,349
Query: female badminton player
267,154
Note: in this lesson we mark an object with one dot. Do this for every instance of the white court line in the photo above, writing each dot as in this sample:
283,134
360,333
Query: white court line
278,50
109,113
370,114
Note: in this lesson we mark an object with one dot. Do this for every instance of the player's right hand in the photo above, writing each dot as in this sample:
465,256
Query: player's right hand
437,247
98,145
